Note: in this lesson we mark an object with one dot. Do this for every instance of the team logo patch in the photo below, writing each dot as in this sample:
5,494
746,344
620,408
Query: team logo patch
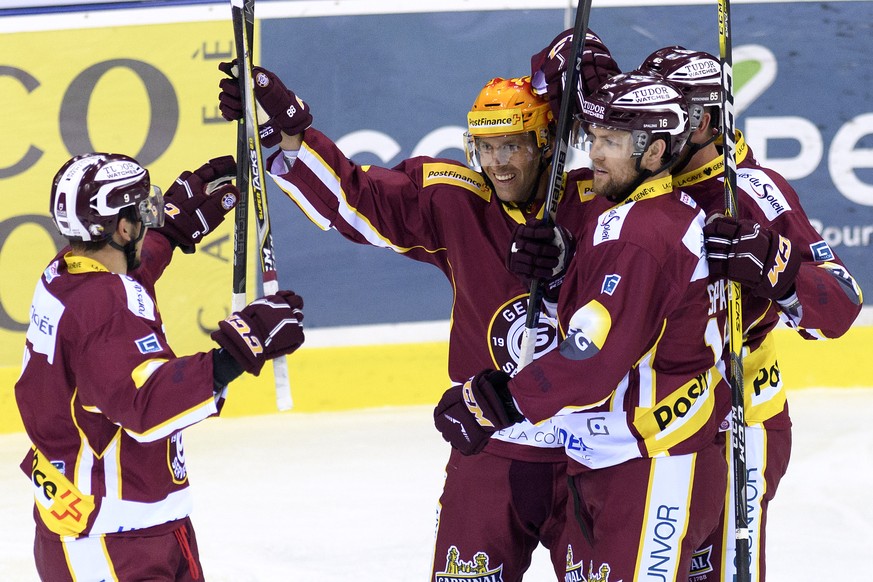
821,251
701,563
610,282
577,346
597,426
587,331
476,570
176,458
506,331
51,272
228,201
148,344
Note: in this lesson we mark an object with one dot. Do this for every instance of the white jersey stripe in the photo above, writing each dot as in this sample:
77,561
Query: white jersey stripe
118,515
331,181
666,520
279,167
88,559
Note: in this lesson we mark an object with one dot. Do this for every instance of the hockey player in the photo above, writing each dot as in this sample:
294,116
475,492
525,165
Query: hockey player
102,396
497,507
787,270
637,382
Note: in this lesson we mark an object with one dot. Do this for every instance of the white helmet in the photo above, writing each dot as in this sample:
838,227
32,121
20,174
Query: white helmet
90,190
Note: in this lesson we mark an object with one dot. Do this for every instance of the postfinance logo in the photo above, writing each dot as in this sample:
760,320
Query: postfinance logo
495,122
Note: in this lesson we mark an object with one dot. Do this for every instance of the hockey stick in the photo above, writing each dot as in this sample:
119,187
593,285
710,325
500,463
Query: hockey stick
556,178
243,13
735,306
241,217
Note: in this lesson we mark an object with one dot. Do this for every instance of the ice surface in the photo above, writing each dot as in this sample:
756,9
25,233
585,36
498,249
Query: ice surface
333,497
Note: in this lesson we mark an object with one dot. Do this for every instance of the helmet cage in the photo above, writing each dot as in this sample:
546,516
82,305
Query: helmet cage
151,210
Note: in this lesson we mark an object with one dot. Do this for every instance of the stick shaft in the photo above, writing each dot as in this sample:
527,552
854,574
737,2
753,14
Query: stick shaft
241,217
735,312
556,177
243,24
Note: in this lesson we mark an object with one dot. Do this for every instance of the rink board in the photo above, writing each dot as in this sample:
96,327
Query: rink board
351,377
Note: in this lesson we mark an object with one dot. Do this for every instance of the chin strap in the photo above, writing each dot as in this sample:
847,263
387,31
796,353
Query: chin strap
129,249
690,151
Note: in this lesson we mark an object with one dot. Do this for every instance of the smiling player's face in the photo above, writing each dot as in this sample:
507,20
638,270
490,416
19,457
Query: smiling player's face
512,163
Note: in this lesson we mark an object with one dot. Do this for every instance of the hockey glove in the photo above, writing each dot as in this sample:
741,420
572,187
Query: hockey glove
540,251
468,415
198,201
549,68
752,255
267,328
279,109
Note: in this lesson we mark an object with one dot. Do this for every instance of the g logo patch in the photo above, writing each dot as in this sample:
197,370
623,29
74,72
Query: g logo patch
506,331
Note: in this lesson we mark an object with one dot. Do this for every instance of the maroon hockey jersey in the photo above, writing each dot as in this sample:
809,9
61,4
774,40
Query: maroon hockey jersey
104,398
827,298
640,372
438,211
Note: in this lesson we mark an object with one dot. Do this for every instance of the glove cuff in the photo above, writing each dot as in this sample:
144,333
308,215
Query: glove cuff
225,369
500,382
780,270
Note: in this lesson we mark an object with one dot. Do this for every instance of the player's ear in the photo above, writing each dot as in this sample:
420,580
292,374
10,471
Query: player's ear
125,229
654,155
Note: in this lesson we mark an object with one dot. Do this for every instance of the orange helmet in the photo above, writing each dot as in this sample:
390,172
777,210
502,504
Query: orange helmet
508,106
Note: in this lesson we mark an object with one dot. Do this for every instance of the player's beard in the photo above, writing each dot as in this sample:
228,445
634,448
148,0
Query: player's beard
615,184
